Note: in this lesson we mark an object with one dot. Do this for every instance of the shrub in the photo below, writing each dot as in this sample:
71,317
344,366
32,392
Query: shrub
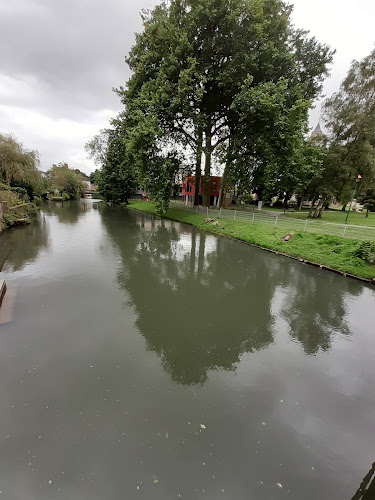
37,200
10,220
366,251
65,197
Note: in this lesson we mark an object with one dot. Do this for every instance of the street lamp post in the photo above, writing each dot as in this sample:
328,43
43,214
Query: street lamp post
359,177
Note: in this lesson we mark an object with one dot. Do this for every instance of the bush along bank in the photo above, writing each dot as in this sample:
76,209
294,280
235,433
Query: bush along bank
345,256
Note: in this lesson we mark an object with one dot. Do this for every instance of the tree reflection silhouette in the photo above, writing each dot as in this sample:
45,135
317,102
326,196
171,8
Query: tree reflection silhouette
196,309
67,212
202,301
25,244
315,309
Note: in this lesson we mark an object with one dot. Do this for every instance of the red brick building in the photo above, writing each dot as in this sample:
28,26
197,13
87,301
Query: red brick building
188,190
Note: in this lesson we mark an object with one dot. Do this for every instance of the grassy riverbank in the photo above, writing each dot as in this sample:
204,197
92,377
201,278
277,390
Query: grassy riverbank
330,251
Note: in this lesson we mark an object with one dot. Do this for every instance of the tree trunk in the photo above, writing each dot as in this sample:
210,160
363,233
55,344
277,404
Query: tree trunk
222,187
207,164
198,169
319,209
312,207
367,211
300,201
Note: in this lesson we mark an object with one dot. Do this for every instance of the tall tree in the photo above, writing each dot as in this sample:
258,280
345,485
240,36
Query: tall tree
350,119
65,180
18,165
368,200
190,64
116,180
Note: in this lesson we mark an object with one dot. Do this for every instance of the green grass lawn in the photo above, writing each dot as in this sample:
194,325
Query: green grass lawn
327,250
337,216
355,218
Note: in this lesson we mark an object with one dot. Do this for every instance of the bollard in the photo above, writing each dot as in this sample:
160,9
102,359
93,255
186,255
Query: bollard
234,216
343,234
220,212
276,220
253,218
305,225
207,210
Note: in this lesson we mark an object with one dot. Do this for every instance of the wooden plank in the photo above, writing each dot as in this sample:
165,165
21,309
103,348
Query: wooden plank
7,308
3,289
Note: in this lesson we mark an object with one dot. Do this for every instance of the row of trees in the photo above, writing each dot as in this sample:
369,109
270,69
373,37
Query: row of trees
20,174
64,181
228,84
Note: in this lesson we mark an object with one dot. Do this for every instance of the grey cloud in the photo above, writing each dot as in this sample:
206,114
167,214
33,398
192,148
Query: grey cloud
59,60
74,50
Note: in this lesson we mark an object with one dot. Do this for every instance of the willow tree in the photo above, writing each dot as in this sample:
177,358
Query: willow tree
18,165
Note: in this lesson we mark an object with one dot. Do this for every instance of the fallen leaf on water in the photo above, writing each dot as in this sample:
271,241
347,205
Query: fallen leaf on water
279,485
203,426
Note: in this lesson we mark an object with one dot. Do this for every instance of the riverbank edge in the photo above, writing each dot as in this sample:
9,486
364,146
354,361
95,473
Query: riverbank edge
276,252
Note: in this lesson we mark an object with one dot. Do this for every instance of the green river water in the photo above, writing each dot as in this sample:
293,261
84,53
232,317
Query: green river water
143,358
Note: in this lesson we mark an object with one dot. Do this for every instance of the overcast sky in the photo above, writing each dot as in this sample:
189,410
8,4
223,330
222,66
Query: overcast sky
59,60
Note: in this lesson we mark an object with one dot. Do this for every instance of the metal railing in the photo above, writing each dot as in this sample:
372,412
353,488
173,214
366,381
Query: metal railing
286,223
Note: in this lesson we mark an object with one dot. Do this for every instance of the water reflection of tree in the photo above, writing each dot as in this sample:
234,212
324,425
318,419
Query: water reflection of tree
315,307
21,245
67,212
195,308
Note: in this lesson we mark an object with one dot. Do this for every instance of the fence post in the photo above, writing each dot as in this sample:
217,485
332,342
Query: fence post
276,220
253,218
220,212
343,234
305,225
234,216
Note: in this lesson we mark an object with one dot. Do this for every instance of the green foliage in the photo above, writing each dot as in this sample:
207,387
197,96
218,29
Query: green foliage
19,166
367,199
366,251
116,180
20,191
350,118
66,181
199,70
10,219
37,200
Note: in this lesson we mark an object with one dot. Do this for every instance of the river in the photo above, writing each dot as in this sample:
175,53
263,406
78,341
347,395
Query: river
143,358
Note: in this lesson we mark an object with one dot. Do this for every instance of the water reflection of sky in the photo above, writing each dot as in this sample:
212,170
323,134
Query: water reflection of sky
132,329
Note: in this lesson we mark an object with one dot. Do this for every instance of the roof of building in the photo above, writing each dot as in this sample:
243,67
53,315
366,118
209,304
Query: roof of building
318,130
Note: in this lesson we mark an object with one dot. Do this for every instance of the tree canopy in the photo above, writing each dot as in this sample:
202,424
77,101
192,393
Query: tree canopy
65,181
19,166
206,77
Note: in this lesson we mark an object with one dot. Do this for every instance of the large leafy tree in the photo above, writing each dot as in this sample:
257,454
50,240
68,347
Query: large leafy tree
368,200
269,151
350,120
18,165
65,180
194,59
116,179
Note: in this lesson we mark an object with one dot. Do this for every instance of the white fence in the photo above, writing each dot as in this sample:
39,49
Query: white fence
288,224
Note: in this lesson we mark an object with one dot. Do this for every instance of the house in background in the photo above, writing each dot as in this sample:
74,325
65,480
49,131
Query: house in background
188,190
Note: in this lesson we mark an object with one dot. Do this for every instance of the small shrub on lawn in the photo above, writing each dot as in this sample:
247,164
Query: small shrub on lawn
366,251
